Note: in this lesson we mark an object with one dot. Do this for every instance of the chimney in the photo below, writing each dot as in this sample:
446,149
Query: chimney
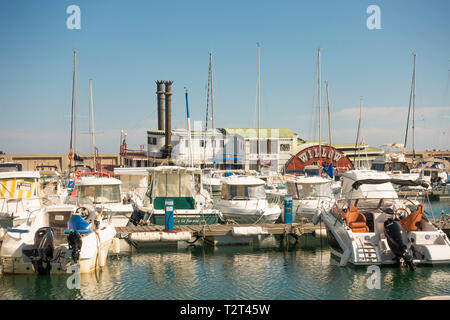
160,93
168,130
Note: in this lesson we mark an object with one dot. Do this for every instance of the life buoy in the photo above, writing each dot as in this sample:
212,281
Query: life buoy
76,175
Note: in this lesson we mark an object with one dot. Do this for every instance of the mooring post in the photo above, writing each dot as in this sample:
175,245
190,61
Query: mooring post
288,208
169,215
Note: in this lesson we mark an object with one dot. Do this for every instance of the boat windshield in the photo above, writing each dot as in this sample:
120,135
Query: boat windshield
243,192
100,193
303,191
174,184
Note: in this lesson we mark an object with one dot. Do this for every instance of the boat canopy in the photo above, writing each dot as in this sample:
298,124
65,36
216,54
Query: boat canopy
94,181
19,174
173,182
367,184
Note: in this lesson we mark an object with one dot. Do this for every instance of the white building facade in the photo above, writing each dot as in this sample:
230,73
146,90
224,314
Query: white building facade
204,148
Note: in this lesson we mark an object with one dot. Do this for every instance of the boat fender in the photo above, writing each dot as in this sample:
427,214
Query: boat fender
102,259
145,236
75,242
316,217
320,233
345,257
248,231
116,245
178,236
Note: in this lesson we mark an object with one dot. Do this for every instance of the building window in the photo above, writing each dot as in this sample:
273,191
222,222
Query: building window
202,143
285,147
186,143
151,140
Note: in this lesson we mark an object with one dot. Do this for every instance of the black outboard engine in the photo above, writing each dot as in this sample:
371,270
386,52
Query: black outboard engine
41,254
136,216
393,232
74,241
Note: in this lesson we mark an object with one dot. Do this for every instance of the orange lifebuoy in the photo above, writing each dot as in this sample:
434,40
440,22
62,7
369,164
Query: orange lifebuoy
76,175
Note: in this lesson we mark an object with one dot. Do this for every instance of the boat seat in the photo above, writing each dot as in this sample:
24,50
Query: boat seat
77,223
411,222
356,220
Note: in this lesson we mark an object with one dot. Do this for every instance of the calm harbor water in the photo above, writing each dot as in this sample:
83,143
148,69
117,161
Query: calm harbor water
235,272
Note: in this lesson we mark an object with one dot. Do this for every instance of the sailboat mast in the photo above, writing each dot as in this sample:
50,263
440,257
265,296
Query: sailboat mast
91,122
319,93
357,133
74,99
258,104
414,104
329,118
188,120
213,144
71,152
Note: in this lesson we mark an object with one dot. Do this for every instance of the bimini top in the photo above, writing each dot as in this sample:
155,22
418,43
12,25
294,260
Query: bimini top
19,174
94,181
309,180
367,184
243,180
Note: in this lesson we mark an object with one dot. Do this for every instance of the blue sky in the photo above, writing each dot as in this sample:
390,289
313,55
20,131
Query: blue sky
124,46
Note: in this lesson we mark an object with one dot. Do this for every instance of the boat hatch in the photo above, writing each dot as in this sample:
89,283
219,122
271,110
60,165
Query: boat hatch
58,221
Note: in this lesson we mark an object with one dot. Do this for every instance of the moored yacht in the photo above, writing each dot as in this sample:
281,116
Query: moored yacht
100,191
191,203
370,225
19,198
243,200
57,238
310,194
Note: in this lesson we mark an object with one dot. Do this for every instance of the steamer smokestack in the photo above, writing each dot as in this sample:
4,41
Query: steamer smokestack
168,129
160,94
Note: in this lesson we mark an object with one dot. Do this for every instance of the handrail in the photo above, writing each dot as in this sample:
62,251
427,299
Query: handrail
79,174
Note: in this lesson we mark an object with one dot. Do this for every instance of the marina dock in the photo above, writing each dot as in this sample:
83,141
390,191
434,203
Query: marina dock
216,230
215,234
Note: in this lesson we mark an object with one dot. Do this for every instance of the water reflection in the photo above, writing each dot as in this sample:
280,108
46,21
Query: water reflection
231,272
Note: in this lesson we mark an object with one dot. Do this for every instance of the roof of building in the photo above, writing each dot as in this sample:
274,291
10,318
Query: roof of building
363,149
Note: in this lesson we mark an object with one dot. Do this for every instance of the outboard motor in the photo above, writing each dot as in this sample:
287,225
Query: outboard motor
41,254
136,216
393,232
74,241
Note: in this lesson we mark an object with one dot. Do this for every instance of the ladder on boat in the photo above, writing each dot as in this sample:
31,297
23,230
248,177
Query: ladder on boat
366,252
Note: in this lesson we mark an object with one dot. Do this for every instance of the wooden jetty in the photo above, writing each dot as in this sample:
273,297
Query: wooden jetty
216,230
151,236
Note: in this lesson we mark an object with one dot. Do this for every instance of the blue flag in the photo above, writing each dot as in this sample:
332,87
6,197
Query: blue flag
329,170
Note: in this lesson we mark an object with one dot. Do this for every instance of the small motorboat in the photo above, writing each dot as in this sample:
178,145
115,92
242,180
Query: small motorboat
370,225
57,238
244,201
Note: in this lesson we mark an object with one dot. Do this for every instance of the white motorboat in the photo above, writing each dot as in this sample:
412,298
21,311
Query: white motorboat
370,225
149,188
310,194
57,238
433,172
244,201
19,198
99,190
